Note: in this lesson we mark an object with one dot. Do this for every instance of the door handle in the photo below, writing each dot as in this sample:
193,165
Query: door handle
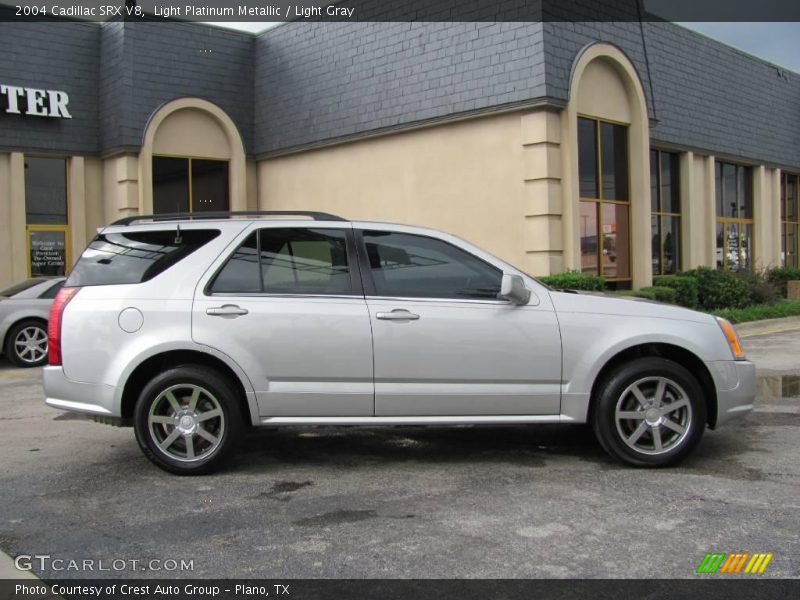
226,310
398,314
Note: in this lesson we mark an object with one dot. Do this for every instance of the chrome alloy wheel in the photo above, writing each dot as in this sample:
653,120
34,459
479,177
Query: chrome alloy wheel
653,415
186,422
30,344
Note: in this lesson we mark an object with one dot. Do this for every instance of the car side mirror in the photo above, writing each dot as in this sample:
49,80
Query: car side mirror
513,288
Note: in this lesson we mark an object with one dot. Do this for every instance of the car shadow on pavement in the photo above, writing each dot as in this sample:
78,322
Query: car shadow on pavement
529,446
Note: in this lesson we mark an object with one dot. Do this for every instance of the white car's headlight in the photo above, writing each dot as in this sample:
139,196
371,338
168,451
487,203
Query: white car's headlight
732,337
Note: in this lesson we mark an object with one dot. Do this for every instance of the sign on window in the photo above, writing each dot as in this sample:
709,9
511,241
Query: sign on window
48,252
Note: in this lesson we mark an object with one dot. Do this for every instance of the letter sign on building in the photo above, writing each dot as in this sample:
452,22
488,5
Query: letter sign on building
34,102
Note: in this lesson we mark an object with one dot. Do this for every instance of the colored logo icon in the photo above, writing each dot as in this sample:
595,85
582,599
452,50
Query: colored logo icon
735,563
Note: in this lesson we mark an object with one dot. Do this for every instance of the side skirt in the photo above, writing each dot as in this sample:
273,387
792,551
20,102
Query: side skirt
422,420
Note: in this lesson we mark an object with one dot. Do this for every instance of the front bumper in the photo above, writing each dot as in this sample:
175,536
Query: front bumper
88,398
736,389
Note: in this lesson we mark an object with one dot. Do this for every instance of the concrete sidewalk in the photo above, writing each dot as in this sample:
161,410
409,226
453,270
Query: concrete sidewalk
9,571
768,327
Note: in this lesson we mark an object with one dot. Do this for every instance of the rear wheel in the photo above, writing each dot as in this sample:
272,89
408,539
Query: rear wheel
26,344
188,420
650,412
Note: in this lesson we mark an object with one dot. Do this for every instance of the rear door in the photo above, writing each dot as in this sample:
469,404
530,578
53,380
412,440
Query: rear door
445,344
288,307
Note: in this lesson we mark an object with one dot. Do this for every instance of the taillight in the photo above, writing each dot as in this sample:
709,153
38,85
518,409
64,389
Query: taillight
54,324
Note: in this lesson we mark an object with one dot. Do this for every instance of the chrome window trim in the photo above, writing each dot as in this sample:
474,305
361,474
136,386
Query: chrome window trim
359,297
278,295
448,300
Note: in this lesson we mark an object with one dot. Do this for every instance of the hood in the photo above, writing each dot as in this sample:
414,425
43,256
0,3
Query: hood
608,304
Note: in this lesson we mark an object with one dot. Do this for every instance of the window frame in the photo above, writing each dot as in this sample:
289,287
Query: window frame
356,288
787,223
370,291
600,201
65,228
739,221
661,213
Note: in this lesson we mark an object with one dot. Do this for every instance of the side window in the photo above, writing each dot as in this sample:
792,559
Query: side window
416,266
288,261
304,261
240,273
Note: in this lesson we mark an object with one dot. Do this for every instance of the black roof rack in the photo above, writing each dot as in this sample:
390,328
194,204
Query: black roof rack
316,216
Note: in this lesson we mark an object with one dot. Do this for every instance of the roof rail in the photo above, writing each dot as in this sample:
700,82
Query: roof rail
316,216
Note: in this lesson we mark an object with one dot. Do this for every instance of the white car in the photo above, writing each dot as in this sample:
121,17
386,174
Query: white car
191,328
24,310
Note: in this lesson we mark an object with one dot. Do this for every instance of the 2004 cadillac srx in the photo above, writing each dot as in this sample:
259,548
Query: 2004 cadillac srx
193,327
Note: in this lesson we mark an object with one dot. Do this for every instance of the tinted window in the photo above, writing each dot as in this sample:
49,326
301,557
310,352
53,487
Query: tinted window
170,185
614,157
422,267
240,273
288,261
136,256
51,292
45,191
587,158
209,185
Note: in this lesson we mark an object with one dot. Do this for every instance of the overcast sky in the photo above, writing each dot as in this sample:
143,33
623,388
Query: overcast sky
776,42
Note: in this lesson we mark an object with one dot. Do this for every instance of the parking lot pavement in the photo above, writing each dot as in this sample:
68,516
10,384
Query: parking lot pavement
403,502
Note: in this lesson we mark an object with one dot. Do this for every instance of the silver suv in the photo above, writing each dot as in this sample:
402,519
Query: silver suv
193,328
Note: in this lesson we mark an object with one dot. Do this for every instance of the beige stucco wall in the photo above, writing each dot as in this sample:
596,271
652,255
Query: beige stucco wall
13,242
191,132
6,262
120,187
698,211
543,194
766,216
464,177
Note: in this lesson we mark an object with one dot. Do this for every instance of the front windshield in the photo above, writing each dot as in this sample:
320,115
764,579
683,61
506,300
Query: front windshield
21,287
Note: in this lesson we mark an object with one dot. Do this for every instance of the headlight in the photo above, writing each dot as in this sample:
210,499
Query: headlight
733,339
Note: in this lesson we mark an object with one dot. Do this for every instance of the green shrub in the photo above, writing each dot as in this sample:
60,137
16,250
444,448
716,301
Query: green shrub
779,276
784,308
659,294
685,288
762,290
646,293
575,280
719,289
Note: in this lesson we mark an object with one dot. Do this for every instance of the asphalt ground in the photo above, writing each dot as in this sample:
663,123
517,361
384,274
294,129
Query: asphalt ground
469,502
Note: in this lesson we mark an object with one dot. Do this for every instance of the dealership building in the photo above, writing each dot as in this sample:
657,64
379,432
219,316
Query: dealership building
628,149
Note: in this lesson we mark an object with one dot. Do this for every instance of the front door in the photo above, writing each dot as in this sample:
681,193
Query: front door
444,344
287,306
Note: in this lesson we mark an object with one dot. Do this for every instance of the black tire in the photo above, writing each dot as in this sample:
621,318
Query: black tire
167,443
25,357
636,441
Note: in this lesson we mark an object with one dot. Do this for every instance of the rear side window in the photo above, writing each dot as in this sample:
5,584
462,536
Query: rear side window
136,256
288,261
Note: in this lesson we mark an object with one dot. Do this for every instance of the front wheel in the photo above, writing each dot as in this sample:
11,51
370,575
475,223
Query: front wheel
650,412
188,420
